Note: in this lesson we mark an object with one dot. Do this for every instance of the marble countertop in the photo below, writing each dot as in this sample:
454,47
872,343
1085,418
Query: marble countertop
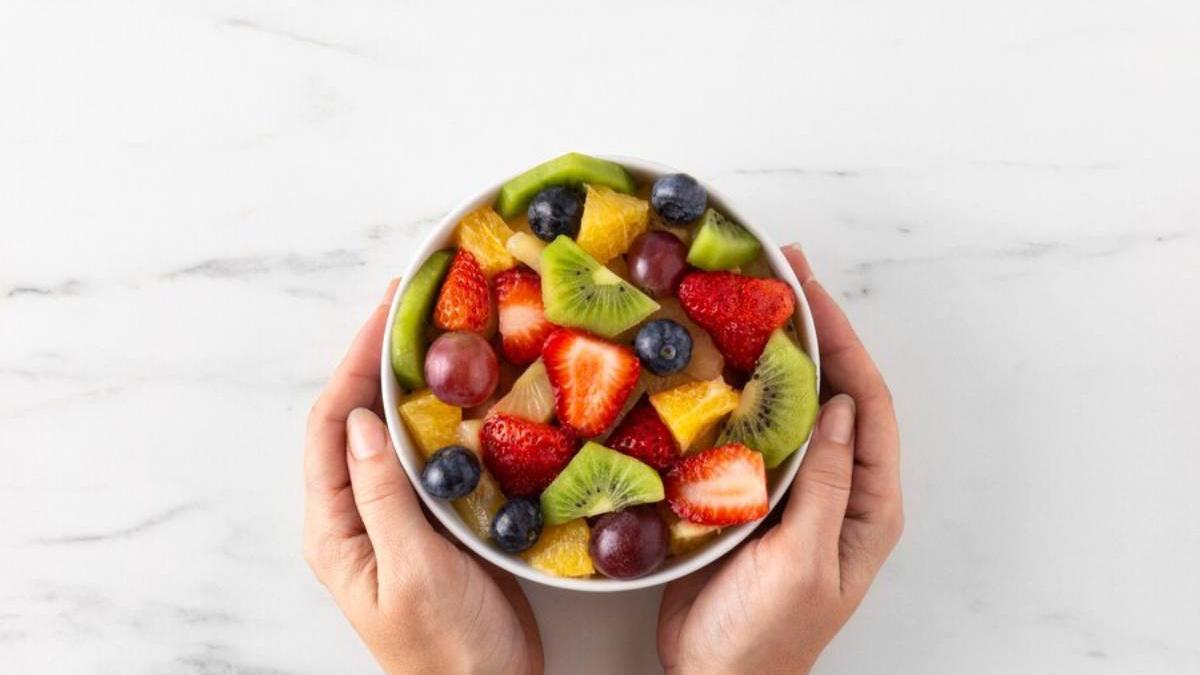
200,202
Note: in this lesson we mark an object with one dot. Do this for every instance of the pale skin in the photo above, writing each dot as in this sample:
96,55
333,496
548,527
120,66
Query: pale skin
769,607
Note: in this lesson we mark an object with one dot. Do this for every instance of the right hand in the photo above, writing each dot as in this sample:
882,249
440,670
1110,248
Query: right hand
773,605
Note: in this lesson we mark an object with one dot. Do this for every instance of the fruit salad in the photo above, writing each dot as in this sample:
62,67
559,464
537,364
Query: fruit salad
601,373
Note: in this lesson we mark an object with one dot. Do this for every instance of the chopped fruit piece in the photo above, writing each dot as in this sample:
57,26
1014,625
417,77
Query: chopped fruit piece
478,508
678,198
461,369
483,234
629,544
725,485
657,262
644,436
611,221
432,424
465,302
686,536
562,550
778,405
571,169
690,409
526,248
524,456
582,293
739,312
531,397
517,525
664,346
523,324
412,317
451,473
599,480
554,211
468,435
722,244
706,362
634,396
592,379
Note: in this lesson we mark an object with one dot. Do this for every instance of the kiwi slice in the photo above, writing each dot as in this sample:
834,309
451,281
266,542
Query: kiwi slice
721,244
571,169
412,317
578,291
599,480
778,404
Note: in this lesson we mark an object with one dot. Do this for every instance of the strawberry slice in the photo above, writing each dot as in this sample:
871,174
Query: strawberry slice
592,379
643,435
738,311
524,456
464,302
523,324
725,485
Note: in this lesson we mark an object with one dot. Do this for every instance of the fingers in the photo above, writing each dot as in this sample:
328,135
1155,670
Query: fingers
355,384
848,368
330,515
816,507
389,508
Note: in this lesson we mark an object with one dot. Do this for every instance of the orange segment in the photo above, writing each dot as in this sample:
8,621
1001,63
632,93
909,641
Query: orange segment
484,233
562,550
432,424
611,221
691,409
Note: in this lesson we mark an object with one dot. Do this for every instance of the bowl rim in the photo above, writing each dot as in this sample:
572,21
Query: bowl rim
410,458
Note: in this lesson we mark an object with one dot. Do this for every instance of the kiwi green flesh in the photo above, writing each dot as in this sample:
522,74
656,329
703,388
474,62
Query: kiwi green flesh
571,169
412,317
721,244
778,405
599,480
578,291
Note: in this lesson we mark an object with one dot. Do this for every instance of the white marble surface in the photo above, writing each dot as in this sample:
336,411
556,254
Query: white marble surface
199,202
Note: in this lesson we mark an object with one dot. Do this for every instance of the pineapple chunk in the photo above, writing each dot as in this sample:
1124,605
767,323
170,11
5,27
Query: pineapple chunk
526,248
531,396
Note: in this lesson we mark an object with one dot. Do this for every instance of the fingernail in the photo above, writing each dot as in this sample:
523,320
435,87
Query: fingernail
362,434
837,419
799,261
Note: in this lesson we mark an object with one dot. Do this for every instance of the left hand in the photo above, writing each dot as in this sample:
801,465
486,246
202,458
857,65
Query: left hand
419,602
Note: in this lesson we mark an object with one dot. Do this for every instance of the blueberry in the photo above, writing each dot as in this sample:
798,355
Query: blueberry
517,525
678,198
664,346
451,472
555,211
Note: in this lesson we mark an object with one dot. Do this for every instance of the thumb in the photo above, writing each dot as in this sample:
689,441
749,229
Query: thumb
817,505
389,508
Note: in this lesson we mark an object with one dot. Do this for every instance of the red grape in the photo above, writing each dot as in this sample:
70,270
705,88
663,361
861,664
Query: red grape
657,261
629,543
461,369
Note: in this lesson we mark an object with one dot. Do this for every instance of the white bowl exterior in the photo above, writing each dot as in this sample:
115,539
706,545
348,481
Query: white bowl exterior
410,457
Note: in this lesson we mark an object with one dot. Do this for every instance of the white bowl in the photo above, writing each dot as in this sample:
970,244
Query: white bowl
675,567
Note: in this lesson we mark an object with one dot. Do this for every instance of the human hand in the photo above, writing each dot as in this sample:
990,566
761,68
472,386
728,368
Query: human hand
774,604
419,602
